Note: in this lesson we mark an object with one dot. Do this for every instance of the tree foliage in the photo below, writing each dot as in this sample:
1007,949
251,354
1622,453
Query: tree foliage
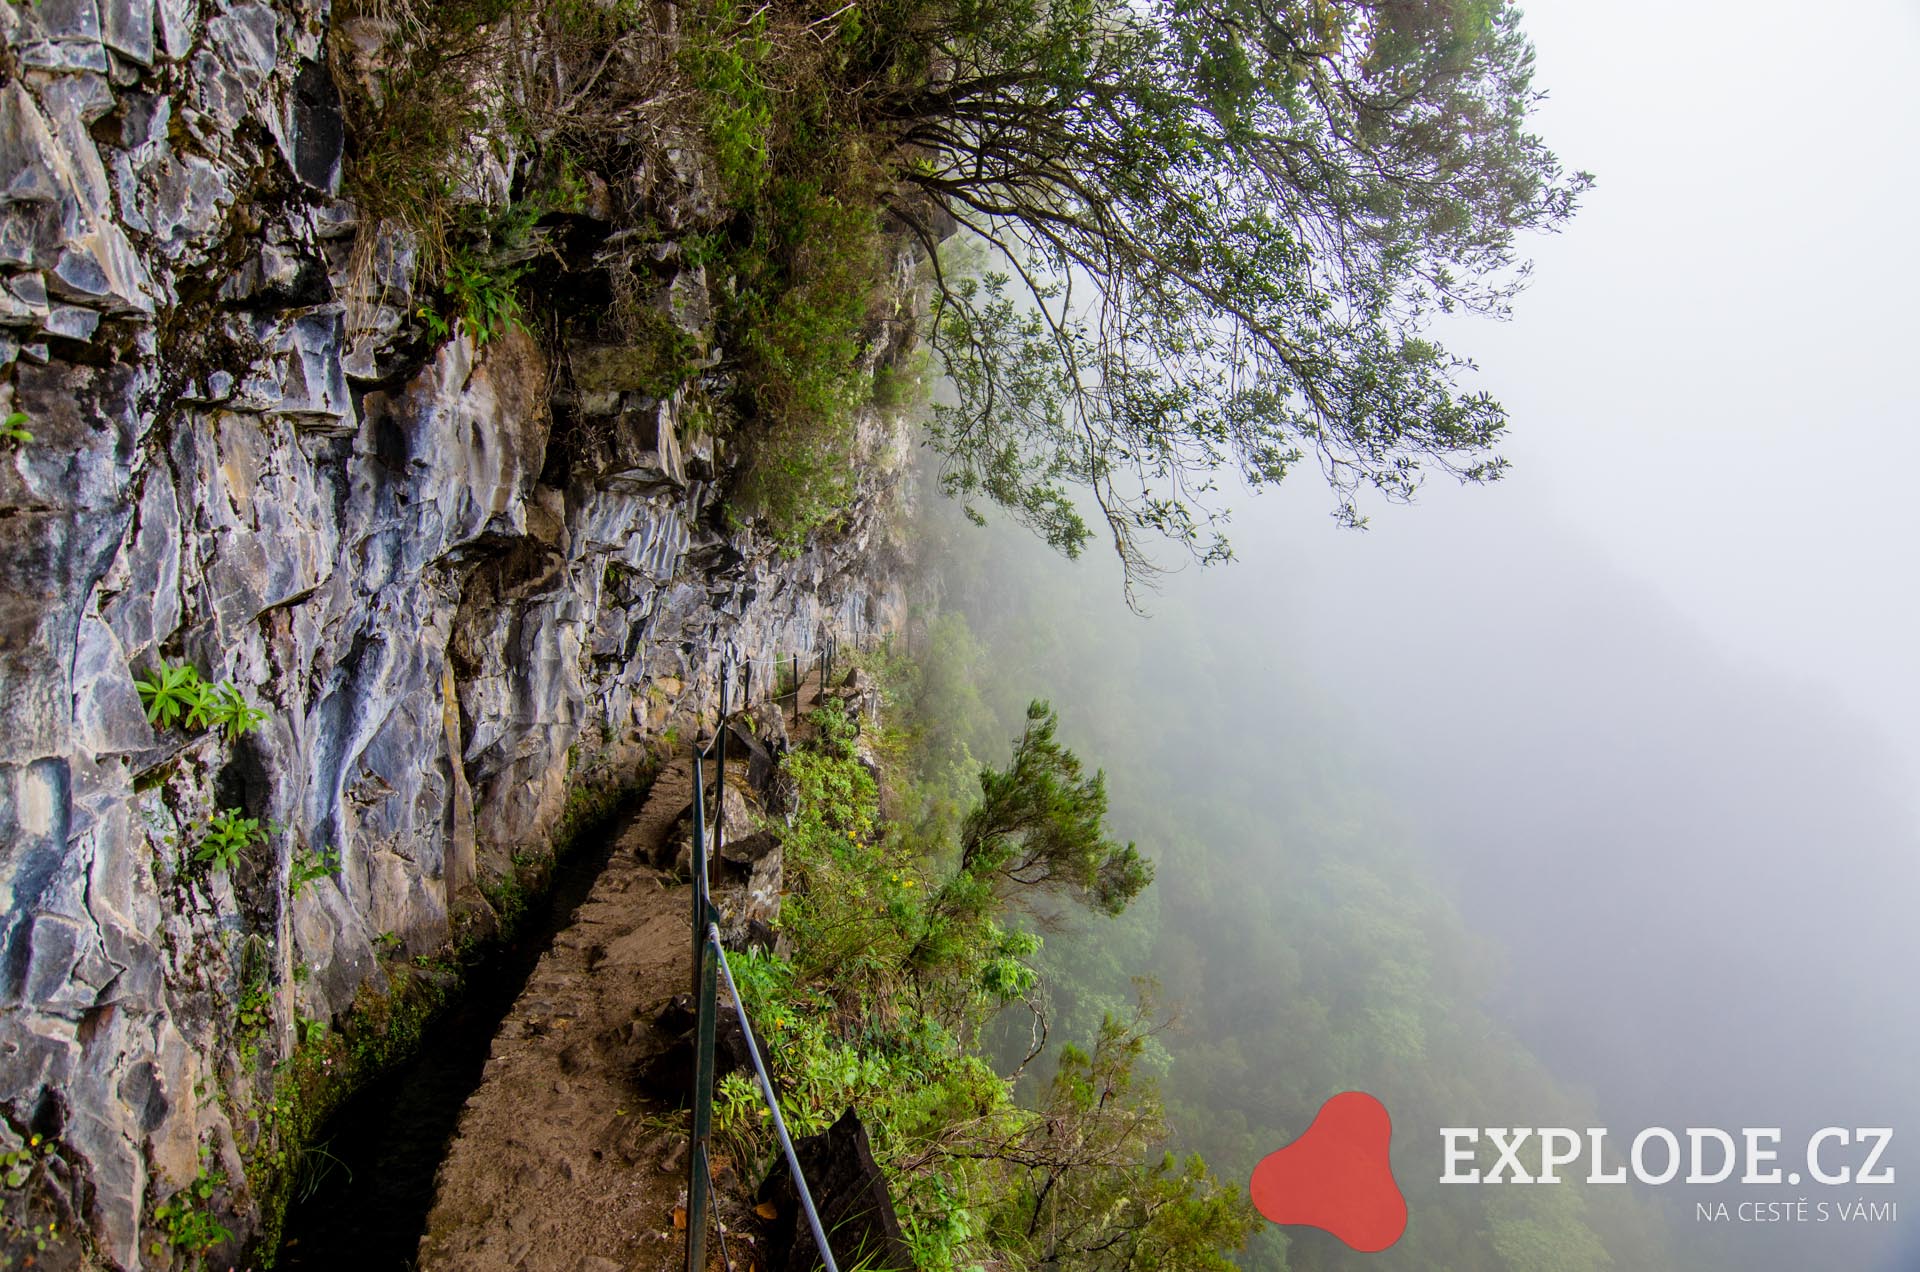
1094,1197
1215,230
1040,825
1221,227
889,983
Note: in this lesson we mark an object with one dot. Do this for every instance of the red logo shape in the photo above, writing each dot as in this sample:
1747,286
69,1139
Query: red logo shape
1337,1177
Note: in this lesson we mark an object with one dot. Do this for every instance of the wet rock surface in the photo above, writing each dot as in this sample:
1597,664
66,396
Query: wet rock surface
463,582
850,1193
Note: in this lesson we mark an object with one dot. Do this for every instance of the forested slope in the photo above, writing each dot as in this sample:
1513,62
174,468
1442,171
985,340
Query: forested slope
1302,934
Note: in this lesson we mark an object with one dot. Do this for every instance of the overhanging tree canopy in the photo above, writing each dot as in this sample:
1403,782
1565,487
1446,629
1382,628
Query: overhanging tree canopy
1222,225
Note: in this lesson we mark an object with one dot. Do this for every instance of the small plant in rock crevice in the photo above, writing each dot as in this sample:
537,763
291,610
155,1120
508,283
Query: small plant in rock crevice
16,1167
185,1220
175,692
485,300
223,708
309,866
169,692
252,1020
13,429
229,833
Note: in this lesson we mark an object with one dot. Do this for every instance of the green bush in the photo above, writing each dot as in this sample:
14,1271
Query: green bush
726,57
800,281
805,293
854,908
899,959
484,299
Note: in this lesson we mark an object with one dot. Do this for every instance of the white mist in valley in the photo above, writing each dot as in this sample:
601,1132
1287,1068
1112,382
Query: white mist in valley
1618,757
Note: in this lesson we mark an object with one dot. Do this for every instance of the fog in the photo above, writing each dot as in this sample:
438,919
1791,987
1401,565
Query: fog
1701,870
1646,714
1683,883
1707,374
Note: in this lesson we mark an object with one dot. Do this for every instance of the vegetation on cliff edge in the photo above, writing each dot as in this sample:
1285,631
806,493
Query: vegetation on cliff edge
909,934
1215,232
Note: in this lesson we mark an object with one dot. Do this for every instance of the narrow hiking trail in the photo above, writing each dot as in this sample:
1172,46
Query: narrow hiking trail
563,1161
560,1162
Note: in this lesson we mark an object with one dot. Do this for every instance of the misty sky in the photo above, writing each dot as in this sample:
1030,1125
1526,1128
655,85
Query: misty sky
1709,376
1654,699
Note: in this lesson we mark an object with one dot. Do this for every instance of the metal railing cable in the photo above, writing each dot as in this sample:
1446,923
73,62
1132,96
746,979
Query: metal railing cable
773,1106
709,967
719,1228
825,655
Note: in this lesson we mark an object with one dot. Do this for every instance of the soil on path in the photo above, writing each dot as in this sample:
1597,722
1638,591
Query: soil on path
561,1163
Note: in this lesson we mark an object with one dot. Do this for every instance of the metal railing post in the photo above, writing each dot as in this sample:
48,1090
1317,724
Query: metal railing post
720,796
704,988
698,1170
705,983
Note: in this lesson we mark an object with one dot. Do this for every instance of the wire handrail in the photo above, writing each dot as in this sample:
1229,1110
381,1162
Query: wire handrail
709,967
825,655
773,1105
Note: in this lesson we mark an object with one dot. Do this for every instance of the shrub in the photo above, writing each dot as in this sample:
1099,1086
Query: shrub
886,986
726,57
805,295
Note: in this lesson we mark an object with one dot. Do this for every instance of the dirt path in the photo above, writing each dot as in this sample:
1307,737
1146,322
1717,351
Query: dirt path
561,1164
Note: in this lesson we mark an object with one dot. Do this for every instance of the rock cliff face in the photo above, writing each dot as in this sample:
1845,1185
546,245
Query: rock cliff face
461,582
